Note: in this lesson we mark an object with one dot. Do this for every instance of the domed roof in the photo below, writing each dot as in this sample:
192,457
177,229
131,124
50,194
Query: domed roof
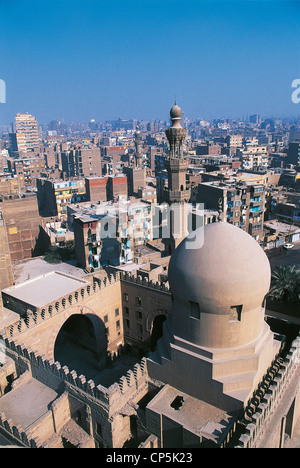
175,112
224,268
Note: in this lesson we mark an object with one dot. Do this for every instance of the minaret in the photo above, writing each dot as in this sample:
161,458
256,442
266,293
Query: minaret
136,173
176,195
138,152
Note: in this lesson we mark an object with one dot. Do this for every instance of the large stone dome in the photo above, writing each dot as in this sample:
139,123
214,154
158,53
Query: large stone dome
230,269
216,345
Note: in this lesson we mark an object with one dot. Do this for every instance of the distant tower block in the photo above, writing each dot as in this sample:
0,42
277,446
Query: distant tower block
176,194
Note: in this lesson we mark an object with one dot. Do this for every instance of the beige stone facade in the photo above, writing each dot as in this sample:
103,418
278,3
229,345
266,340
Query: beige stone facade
83,412
82,364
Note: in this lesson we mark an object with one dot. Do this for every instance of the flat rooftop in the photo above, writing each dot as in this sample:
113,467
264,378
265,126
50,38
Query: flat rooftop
45,289
195,415
281,227
27,403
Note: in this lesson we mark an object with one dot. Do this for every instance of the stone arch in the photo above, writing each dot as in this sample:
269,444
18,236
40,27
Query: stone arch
154,325
152,315
98,326
80,342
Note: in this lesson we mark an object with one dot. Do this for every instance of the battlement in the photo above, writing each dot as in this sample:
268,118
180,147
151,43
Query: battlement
268,396
18,433
46,370
124,276
31,316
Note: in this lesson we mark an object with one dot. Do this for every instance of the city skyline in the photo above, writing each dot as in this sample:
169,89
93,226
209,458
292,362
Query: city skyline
77,61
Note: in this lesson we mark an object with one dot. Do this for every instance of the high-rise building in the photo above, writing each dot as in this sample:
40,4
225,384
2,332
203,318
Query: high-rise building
27,133
293,154
82,162
255,119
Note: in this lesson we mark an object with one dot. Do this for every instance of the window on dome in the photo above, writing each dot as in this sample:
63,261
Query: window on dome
235,313
195,310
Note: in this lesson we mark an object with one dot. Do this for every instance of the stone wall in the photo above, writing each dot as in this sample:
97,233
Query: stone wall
278,391
110,408
99,301
18,433
142,302
95,300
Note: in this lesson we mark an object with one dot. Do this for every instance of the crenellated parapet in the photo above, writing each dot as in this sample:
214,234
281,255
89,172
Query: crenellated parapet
124,276
134,379
35,316
60,378
18,433
269,394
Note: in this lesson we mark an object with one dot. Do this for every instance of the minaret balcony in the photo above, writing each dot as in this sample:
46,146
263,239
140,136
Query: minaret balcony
176,164
177,196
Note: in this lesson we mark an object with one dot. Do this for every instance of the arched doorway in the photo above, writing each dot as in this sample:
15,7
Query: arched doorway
157,330
76,346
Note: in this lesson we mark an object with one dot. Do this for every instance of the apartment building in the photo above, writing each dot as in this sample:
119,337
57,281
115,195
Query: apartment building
136,177
117,186
81,162
55,195
254,156
235,141
27,133
243,204
96,188
9,186
106,188
22,222
27,171
293,153
108,233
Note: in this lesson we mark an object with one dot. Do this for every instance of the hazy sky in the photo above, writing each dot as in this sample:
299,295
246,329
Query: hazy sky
75,60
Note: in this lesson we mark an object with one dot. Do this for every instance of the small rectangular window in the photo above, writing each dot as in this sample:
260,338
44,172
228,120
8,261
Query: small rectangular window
138,301
105,318
235,313
99,429
139,315
195,310
116,312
